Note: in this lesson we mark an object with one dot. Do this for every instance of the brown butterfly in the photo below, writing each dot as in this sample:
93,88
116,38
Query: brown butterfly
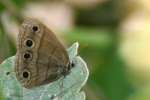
40,57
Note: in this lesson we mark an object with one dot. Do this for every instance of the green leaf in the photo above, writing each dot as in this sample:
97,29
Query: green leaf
68,88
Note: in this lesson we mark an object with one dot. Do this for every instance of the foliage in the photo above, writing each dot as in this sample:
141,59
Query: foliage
71,89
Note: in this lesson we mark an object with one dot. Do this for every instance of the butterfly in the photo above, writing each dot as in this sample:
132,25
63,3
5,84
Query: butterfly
40,57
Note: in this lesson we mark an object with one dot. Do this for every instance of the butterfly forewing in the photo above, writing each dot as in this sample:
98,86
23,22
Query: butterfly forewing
40,57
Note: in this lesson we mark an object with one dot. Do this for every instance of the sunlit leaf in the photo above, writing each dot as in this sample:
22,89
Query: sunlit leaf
68,88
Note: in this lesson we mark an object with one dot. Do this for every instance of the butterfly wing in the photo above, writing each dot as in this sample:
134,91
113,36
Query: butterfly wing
41,58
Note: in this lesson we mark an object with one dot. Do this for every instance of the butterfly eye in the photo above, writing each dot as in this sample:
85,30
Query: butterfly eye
27,55
35,28
25,74
72,64
29,43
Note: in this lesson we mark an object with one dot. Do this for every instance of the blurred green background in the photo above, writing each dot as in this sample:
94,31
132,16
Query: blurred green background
114,38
